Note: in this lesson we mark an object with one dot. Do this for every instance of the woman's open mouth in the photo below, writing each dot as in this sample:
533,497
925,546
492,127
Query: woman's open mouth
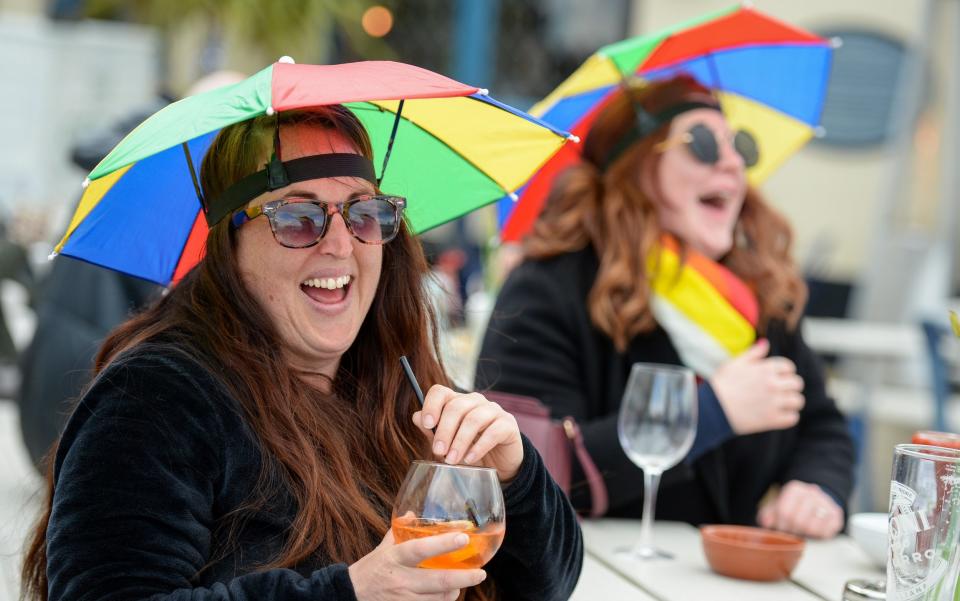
714,201
327,291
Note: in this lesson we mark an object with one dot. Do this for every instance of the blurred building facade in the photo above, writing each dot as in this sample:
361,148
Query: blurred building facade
62,79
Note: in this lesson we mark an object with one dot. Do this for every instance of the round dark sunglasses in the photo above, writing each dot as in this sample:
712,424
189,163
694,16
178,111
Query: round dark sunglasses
702,144
302,222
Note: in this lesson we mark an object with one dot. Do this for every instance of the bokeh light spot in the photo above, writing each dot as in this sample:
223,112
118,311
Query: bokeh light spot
377,21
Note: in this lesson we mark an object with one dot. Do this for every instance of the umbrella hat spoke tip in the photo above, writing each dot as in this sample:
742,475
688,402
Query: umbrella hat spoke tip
836,42
483,91
270,111
574,138
52,256
819,131
86,183
287,60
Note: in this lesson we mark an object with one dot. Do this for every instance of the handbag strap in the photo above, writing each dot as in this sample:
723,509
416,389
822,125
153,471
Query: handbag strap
598,490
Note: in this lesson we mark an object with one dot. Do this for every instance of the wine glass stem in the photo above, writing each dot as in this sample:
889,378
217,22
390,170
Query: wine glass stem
651,481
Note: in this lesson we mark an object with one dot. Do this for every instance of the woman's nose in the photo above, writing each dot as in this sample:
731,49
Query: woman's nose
338,241
729,157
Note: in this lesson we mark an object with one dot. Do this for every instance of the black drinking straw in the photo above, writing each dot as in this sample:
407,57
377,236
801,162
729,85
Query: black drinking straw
471,508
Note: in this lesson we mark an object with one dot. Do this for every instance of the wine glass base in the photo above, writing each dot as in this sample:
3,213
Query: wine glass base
643,554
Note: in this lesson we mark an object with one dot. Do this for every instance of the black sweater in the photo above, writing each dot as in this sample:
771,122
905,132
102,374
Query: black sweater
157,454
541,343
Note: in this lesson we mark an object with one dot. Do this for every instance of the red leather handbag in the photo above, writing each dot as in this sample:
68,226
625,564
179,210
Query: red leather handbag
556,441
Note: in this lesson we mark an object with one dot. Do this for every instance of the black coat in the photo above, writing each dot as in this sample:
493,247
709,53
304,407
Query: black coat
157,455
541,342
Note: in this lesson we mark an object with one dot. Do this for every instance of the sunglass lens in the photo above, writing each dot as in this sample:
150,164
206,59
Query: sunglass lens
374,220
298,224
746,146
703,144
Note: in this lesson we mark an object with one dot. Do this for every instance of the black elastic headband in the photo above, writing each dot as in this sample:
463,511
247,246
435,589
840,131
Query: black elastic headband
283,173
645,124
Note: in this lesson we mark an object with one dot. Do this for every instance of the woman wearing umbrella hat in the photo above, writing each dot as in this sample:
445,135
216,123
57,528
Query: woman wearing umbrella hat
655,249
245,436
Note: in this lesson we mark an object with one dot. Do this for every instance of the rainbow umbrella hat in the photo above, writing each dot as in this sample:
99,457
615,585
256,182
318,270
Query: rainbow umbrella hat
454,149
771,79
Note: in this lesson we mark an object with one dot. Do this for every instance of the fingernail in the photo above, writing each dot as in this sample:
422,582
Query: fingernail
462,539
483,575
452,456
439,447
471,457
428,421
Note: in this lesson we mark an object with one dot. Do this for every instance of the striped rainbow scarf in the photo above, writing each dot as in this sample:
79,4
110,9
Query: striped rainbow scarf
709,313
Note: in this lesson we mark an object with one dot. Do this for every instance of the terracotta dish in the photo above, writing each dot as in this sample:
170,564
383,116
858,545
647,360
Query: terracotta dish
751,553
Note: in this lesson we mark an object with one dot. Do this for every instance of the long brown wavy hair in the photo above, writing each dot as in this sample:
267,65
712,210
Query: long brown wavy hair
342,454
604,206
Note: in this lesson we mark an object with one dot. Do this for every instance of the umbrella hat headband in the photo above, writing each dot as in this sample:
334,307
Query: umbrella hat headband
279,174
646,123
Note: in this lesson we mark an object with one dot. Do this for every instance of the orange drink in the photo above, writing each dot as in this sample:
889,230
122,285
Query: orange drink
483,544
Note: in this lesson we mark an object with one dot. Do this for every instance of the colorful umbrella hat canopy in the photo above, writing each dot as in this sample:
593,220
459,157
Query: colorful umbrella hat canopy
771,79
455,149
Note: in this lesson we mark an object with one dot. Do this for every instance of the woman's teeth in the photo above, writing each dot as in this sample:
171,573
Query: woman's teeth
327,283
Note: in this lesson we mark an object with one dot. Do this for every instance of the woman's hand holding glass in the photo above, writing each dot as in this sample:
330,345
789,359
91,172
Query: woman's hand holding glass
759,393
471,430
802,508
390,571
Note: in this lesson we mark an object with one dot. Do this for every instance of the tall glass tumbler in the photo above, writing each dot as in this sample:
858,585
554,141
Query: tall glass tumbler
923,561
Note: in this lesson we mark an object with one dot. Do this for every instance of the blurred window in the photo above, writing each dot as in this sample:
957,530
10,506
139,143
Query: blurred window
862,94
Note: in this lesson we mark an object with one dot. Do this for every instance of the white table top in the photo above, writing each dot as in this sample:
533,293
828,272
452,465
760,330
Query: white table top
820,575
597,581
827,564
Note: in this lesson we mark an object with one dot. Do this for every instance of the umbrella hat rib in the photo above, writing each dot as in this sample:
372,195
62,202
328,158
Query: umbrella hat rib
432,201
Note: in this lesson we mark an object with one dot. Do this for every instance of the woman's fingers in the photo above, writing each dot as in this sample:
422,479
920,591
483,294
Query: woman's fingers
470,428
412,552
433,403
498,432
781,365
475,422
791,382
390,571
791,401
804,509
452,414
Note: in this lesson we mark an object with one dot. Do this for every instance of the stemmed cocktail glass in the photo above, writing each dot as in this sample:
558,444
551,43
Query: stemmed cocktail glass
656,427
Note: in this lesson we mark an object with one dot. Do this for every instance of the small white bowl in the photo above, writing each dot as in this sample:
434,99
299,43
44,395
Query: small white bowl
870,532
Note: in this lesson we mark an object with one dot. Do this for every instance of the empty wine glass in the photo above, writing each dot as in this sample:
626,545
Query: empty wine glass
656,427
436,498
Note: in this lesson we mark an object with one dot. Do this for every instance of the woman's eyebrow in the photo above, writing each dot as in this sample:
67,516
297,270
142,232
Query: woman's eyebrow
301,194
313,196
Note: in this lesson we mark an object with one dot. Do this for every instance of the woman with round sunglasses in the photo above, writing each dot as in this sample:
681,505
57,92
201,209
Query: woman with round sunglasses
245,436
655,249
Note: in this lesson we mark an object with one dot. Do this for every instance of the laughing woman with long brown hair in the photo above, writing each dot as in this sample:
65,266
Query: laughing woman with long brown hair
244,438
655,249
